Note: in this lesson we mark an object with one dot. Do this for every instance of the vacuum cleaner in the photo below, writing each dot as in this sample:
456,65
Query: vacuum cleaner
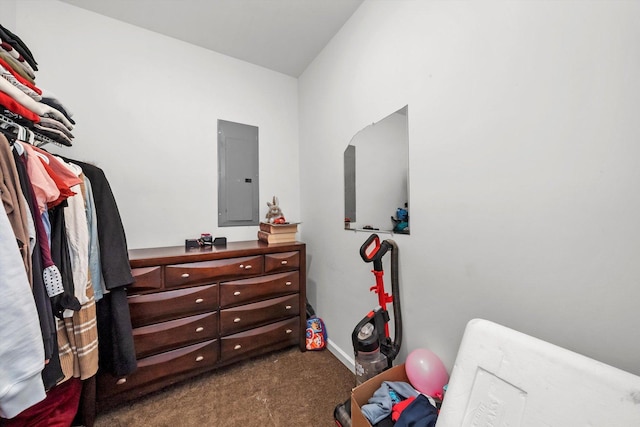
374,350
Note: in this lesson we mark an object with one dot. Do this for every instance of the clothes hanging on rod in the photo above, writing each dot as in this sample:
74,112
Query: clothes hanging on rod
42,240
20,333
59,218
86,329
52,372
115,331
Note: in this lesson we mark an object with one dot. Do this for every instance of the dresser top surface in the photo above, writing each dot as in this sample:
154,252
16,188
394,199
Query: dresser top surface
179,254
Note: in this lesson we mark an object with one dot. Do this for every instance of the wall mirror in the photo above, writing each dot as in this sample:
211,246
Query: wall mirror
376,176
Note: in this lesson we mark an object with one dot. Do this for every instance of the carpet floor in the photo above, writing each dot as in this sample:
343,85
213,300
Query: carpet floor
286,388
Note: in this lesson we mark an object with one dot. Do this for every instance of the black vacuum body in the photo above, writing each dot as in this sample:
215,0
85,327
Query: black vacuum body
374,351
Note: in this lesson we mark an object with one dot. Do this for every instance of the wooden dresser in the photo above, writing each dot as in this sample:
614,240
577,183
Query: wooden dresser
197,310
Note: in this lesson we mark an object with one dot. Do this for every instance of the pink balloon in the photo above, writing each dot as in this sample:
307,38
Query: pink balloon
426,372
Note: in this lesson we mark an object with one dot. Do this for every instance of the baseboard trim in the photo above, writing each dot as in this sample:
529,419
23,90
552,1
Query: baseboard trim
346,359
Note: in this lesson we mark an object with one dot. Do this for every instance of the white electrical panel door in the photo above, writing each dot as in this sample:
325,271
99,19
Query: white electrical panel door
238,185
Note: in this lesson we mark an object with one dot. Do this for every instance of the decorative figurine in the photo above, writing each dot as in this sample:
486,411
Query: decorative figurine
274,214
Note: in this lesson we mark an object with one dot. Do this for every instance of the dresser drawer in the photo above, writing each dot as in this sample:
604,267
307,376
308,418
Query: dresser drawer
208,271
160,368
250,315
154,339
158,307
146,278
257,288
283,333
281,261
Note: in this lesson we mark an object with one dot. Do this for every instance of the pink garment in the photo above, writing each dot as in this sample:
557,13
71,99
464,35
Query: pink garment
65,191
44,187
60,168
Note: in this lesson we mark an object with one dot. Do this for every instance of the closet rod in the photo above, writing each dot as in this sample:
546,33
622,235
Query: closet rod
38,136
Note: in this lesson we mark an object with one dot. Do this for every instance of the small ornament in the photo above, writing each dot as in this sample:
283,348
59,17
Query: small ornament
274,214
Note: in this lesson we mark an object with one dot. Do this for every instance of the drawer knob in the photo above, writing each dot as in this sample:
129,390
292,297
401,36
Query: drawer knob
199,329
236,320
237,347
287,284
288,307
283,262
199,358
121,381
289,331
236,293
199,300
248,267
185,275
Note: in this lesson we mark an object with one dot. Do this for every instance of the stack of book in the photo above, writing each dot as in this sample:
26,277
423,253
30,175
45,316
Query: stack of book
277,233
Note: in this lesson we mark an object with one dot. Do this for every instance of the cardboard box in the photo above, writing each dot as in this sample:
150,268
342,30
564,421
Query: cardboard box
361,394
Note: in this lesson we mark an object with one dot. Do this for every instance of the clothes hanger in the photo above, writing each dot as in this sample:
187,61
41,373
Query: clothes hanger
44,140
14,132
22,133
9,134
17,145
7,123
10,129
42,156
27,135
30,136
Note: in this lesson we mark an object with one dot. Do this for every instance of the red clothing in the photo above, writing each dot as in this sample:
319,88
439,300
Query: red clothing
56,164
15,107
65,191
21,79
397,409
58,409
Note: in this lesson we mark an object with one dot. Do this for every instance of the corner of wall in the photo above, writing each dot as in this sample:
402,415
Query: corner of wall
341,355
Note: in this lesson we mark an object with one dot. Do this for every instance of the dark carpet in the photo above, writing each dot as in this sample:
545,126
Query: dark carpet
286,388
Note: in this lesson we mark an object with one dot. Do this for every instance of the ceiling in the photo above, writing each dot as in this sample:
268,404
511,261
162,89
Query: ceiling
281,35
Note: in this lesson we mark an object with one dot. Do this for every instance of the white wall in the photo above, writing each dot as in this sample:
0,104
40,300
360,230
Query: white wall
8,13
146,108
524,163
